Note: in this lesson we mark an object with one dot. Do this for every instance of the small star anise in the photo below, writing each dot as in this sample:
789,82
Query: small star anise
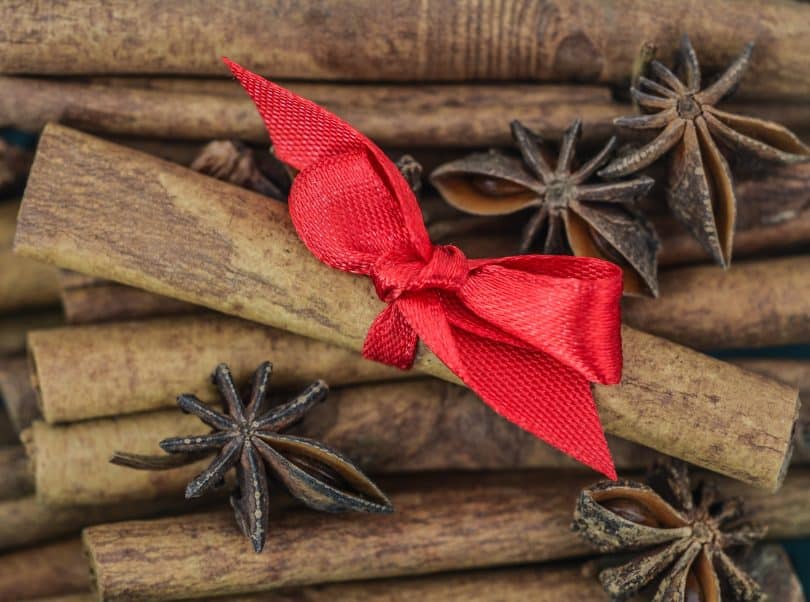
235,162
594,220
701,191
250,439
683,535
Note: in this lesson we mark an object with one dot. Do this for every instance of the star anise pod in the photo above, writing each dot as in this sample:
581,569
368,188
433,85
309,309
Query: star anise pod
701,192
237,163
250,438
572,215
683,534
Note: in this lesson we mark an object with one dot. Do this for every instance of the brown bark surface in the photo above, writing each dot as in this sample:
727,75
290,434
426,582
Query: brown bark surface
392,115
456,523
109,302
416,426
398,115
761,303
55,568
129,367
768,564
203,241
556,40
14,328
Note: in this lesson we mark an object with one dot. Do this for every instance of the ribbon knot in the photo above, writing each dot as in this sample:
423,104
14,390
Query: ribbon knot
528,334
446,270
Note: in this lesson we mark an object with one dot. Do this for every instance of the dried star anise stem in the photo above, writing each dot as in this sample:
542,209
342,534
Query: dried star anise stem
572,214
249,437
701,191
683,535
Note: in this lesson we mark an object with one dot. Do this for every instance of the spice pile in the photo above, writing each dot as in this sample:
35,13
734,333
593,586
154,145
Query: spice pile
152,245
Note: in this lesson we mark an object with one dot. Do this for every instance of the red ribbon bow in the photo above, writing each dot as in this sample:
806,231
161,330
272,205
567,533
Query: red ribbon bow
526,333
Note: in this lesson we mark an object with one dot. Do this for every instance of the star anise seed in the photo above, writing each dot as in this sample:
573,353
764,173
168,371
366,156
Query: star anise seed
682,534
571,215
249,438
701,192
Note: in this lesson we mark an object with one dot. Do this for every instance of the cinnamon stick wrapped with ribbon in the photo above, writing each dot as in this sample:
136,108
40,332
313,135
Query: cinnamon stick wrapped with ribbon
528,334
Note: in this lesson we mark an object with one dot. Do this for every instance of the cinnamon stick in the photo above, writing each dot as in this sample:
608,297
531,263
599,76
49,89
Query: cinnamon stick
393,115
509,518
456,115
108,302
55,568
23,283
145,365
754,304
203,241
768,564
588,41
416,426
18,394
16,475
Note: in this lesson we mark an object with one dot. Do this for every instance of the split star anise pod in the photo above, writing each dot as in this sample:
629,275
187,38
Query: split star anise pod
700,191
249,438
683,535
571,215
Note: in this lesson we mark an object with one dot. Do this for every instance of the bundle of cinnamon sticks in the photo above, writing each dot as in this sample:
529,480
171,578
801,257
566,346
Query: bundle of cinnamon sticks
143,257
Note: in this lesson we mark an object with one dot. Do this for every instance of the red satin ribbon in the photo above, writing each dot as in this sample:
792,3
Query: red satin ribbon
526,333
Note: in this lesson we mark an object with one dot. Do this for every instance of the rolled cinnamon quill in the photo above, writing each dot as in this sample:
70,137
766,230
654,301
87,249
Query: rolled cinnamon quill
129,367
393,115
203,241
53,569
769,565
108,301
512,518
588,42
754,304
399,427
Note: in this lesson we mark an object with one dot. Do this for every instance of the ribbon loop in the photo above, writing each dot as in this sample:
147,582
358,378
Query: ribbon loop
446,270
528,334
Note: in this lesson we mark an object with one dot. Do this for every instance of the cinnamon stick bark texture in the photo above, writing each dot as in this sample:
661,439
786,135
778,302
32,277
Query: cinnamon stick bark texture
517,517
769,565
129,367
18,394
23,283
754,304
206,242
773,214
458,115
55,568
554,41
417,426
391,115
108,301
